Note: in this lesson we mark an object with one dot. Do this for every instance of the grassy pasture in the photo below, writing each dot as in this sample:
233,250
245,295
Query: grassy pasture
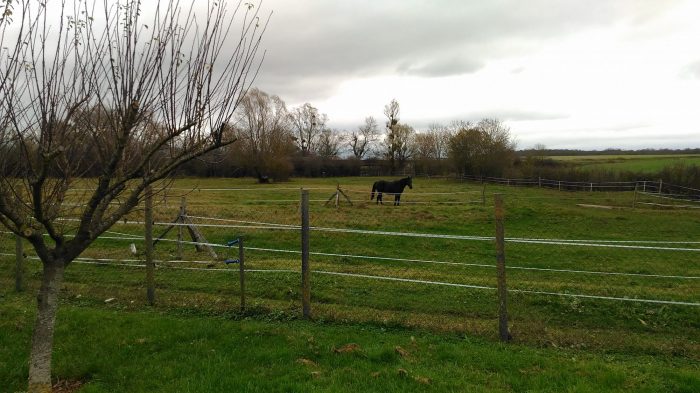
543,324
633,162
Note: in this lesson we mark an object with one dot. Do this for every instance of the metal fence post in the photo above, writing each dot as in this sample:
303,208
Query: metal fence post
501,271
150,266
305,273
241,271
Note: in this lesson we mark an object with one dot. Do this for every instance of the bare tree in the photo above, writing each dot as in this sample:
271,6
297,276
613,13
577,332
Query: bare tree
307,125
483,149
391,143
329,143
403,143
265,138
141,96
361,140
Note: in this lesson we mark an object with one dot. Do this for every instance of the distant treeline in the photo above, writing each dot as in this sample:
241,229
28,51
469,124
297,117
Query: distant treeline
576,152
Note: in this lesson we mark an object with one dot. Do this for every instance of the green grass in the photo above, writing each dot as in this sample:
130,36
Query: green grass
632,163
553,327
113,350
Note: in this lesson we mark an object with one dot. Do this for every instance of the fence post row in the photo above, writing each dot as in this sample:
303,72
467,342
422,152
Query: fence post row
241,271
501,270
305,273
150,266
19,264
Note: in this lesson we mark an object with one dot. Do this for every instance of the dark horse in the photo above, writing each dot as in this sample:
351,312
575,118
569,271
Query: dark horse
392,188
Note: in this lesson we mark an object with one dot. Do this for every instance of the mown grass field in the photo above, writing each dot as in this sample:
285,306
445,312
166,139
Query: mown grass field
633,163
593,344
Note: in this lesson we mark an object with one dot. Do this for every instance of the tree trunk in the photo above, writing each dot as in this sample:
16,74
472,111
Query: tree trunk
42,337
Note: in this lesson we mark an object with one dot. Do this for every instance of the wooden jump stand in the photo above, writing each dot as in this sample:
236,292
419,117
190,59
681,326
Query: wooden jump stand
336,196
183,221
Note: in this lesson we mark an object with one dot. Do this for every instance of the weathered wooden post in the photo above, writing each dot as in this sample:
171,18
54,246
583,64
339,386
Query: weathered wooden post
591,187
180,228
337,195
661,184
150,266
634,201
305,271
19,264
501,271
539,181
241,271
559,185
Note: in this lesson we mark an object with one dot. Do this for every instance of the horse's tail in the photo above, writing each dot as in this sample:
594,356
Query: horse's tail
374,188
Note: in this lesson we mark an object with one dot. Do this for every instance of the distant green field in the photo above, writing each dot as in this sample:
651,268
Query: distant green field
591,279
635,163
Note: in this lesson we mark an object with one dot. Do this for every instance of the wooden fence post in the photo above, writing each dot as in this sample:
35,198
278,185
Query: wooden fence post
150,266
661,184
19,264
501,271
559,185
483,192
634,202
180,228
241,271
337,196
305,273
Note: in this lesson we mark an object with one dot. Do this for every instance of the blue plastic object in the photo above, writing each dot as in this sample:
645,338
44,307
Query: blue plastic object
230,243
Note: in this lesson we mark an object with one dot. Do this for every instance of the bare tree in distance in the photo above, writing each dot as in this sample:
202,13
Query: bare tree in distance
482,149
403,144
432,144
140,97
307,124
361,140
329,143
392,111
265,139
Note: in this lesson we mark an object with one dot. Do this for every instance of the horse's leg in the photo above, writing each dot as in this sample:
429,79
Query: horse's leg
379,198
397,200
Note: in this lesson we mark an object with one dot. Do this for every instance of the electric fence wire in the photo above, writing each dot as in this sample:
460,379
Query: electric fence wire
394,259
408,280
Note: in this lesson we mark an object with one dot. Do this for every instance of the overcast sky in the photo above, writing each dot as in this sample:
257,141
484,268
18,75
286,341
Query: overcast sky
566,73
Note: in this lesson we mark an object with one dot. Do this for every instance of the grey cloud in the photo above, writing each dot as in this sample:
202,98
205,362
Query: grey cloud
441,67
519,115
325,42
691,71
511,115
